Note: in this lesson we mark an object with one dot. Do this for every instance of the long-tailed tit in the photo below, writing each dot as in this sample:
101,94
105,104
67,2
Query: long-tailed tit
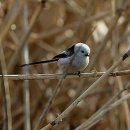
74,60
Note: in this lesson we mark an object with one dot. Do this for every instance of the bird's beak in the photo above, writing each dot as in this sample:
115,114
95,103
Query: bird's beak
86,54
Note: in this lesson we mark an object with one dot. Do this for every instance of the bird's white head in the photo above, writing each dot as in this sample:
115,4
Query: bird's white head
82,50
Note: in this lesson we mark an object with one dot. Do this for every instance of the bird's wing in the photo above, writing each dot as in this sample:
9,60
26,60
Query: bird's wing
69,52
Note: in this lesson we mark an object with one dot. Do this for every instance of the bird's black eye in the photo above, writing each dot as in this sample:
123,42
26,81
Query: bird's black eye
82,51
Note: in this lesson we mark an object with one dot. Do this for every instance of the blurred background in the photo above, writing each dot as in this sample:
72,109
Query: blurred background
30,32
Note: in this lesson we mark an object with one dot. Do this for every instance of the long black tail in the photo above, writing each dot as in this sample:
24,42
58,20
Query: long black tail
39,62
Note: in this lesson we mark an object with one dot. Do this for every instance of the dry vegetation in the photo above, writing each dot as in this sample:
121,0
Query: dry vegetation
33,30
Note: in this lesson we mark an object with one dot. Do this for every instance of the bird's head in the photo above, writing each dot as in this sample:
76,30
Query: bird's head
82,50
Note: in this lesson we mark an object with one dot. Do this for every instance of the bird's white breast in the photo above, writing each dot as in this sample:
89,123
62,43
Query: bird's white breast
73,64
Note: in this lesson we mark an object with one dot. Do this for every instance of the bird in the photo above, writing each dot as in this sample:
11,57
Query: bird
74,60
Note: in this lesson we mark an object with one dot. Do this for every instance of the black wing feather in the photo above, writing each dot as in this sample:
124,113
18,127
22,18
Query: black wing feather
69,52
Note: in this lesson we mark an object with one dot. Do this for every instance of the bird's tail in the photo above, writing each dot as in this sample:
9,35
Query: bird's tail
39,62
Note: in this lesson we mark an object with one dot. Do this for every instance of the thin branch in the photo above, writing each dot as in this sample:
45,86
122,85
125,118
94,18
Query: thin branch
49,103
103,112
59,76
93,118
6,90
125,104
25,57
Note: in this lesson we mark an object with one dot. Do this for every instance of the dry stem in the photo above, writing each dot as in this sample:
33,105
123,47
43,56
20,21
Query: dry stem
59,76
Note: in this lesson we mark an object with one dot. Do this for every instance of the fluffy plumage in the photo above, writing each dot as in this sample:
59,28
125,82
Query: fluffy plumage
74,59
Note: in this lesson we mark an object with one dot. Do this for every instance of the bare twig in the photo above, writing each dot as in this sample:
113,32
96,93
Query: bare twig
125,103
104,111
6,90
49,103
25,56
94,117
59,76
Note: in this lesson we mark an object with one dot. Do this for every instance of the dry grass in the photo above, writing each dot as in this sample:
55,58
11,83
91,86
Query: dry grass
32,30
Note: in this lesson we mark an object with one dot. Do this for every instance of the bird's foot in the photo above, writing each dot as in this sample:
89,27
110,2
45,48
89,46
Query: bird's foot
78,73
75,73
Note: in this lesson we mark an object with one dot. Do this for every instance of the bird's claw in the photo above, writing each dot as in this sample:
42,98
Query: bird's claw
78,73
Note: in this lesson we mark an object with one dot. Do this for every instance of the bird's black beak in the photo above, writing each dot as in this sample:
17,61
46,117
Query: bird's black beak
86,54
